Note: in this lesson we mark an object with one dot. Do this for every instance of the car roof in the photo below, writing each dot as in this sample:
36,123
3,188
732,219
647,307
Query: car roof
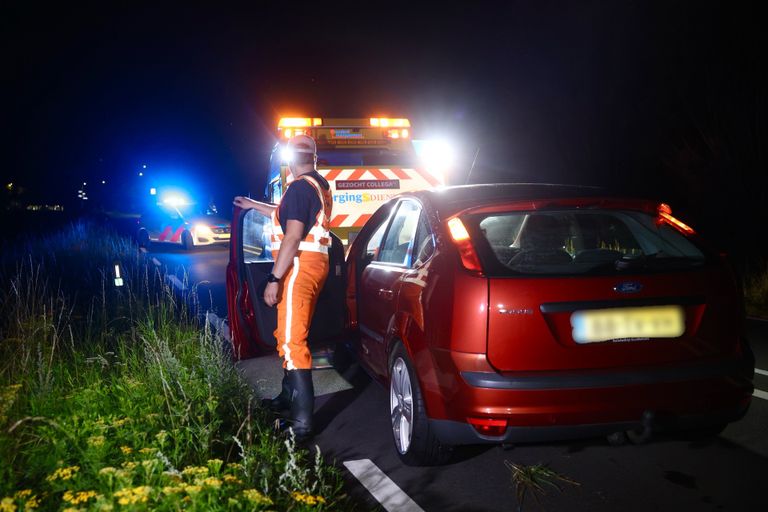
451,200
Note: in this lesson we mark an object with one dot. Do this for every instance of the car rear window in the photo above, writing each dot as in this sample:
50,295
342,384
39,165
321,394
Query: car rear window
576,242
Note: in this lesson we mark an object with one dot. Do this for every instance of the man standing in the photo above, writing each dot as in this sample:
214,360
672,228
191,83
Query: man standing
300,243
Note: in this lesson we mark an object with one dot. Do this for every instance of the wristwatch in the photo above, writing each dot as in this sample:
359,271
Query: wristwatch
272,278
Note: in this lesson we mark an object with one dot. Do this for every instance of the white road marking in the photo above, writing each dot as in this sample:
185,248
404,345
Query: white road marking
757,319
143,249
386,492
156,262
176,283
759,393
761,372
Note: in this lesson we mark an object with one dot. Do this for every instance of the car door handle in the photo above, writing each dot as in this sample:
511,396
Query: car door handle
386,294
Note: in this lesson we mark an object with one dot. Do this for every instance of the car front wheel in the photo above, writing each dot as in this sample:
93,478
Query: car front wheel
415,442
186,241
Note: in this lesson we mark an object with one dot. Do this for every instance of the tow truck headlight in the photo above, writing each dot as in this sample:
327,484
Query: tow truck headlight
438,156
286,155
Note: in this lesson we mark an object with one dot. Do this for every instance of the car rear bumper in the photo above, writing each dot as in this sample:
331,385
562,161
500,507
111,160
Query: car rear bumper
541,406
461,433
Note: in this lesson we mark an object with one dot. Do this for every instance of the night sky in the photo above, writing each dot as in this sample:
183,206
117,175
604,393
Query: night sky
635,95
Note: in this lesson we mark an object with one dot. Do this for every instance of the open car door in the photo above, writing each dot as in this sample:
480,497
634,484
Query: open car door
251,322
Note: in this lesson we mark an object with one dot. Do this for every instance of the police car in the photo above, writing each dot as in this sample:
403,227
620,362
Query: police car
176,220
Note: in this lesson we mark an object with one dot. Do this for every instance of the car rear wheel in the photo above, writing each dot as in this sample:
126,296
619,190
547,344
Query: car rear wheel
186,241
415,442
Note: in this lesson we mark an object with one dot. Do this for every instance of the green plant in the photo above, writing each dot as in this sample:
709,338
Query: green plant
756,293
535,480
122,398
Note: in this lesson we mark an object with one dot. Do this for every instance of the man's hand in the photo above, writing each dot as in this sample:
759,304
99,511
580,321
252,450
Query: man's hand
270,293
246,203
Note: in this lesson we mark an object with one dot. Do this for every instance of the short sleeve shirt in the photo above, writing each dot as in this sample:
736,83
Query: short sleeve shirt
301,202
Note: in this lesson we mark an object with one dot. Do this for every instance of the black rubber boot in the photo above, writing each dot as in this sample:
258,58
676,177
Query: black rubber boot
282,402
302,404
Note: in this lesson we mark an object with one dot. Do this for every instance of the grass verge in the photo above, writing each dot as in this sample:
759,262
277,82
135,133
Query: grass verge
756,293
118,398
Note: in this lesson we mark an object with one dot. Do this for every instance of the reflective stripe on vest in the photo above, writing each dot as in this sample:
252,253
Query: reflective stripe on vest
319,237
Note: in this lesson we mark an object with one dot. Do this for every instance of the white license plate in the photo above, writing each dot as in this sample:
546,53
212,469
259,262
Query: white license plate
628,324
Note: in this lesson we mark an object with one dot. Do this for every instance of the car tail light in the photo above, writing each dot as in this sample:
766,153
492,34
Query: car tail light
493,427
665,216
461,239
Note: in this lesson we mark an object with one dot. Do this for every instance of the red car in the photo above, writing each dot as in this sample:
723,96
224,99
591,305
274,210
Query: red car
517,313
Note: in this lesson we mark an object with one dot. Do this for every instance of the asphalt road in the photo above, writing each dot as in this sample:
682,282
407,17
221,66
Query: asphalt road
670,472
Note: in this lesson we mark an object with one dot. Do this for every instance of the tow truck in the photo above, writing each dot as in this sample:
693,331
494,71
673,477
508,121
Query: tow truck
367,161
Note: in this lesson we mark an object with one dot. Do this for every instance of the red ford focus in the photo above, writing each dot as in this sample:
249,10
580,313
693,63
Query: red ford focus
516,313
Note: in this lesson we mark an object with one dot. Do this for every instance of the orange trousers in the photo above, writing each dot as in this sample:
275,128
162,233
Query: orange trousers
299,291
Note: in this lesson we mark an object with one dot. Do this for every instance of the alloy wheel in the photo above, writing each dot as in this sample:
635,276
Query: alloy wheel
401,405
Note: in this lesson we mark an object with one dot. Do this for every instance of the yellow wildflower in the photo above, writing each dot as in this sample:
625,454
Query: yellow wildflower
32,503
147,451
76,498
96,440
120,422
256,497
132,496
23,494
307,498
211,481
7,505
108,470
127,450
175,489
193,489
195,471
63,473
161,436
129,465
232,479
234,466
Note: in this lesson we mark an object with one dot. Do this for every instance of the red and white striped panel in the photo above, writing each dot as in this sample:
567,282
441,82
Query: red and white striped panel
395,173
419,177
348,212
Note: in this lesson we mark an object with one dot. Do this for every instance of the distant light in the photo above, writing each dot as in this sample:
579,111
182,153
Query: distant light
174,201
9,186
84,183
103,182
144,166
153,191
141,174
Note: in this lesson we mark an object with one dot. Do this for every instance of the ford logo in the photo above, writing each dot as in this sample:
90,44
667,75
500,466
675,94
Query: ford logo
628,287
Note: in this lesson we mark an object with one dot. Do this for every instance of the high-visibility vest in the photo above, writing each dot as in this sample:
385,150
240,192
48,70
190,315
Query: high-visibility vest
319,237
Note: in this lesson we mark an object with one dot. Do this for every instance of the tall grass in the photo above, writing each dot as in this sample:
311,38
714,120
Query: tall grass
756,292
120,397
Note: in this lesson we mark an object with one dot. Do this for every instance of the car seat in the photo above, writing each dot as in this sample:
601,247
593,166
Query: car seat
541,242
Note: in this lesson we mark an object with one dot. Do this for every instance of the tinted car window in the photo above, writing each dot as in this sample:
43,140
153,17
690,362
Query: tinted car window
579,242
398,242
